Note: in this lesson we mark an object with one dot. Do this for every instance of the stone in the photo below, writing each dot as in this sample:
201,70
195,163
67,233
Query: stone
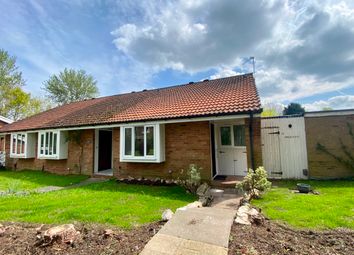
64,233
39,229
108,233
195,204
2,230
242,219
167,215
206,200
246,215
203,189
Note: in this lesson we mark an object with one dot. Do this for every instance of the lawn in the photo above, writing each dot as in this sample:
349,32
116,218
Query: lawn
108,202
333,208
28,180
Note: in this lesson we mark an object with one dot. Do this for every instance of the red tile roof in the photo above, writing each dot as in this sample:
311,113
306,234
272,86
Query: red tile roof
231,95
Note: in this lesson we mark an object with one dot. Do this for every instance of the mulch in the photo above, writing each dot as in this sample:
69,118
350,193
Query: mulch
274,238
21,238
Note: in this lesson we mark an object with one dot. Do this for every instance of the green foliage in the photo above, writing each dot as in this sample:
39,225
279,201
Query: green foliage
269,113
271,110
70,86
192,180
255,182
293,108
333,208
327,108
348,160
123,205
14,102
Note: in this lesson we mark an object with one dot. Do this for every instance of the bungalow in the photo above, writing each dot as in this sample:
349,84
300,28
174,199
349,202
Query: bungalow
151,133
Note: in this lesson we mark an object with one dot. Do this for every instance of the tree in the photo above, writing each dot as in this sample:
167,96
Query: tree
14,102
70,86
327,108
272,109
293,108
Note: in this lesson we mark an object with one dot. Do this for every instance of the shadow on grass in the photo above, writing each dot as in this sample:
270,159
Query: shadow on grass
40,178
346,183
171,192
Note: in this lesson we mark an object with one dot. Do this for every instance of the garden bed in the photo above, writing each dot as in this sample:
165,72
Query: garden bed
20,238
273,238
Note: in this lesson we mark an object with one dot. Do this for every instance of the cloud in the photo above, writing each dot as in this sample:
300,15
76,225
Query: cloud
302,48
336,103
199,36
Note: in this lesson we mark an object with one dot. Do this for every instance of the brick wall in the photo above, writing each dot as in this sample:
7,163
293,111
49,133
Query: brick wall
186,143
65,166
327,131
257,142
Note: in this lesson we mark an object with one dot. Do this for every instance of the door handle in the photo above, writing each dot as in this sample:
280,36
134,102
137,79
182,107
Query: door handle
221,151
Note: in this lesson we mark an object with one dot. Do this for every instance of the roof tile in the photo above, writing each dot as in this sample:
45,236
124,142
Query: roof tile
236,94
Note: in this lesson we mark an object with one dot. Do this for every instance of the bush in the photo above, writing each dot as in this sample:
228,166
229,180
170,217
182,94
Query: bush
255,182
193,180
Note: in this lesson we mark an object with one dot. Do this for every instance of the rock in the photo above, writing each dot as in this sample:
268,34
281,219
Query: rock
246,215
242,219
39,229
64,233
167,215
203,189
206,200
2,230
195,204
108,233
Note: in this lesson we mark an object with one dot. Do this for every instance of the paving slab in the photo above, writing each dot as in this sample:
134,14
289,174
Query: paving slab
227,201
162,244
207,225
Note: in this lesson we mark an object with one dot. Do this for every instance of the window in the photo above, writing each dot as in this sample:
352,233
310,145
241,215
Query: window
18,144
232,135
22,145
52,145
48,143
225,133
142,143
239,135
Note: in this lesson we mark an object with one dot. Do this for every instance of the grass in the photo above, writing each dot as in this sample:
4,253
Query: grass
28,180
109,202
333,208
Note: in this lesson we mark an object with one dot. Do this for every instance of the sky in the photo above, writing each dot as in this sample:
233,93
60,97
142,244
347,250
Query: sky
303,50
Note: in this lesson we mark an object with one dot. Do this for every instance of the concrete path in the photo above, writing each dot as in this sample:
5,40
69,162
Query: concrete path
194,231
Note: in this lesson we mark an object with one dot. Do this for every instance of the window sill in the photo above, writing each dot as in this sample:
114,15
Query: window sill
19,156
49,157
140,160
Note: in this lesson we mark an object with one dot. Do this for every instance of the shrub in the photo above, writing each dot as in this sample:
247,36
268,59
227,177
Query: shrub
255,182
193,179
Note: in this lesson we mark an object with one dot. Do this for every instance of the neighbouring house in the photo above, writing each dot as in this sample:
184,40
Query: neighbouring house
151,133
3,121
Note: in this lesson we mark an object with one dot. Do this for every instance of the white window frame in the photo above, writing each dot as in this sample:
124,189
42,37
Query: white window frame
44,155
145,158
16,154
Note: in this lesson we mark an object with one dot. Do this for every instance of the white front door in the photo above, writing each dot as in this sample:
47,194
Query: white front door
231,150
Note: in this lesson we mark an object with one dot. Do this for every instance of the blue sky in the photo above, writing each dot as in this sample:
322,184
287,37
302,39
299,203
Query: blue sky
304,50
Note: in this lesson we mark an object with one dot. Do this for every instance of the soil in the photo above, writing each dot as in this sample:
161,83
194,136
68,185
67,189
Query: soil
23,238
273,238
